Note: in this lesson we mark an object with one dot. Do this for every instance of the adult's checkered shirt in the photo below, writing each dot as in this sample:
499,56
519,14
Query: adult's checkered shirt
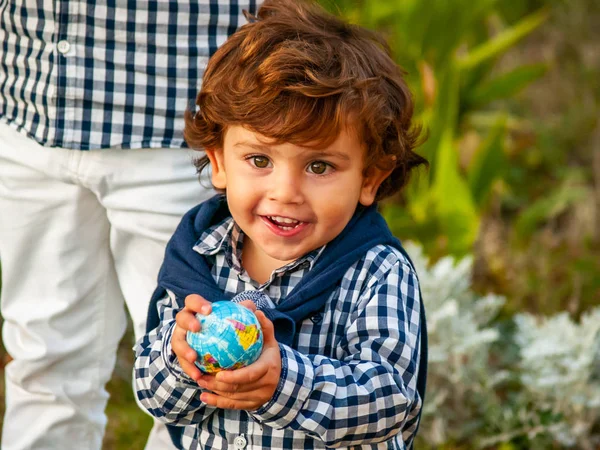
108,74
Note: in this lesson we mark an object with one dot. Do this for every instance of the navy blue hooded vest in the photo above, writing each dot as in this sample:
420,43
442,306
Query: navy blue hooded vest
185,271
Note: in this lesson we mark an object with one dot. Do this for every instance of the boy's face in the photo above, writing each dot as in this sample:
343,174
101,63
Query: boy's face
287,199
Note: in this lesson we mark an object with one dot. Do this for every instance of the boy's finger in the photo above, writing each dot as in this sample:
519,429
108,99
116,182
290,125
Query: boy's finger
225,402
245,375
198,304
267,328
178,335
243,397
183,351
180,346
248,304
212,384
186,320
191,370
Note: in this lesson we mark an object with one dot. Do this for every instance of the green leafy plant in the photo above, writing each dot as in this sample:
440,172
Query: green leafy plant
449,50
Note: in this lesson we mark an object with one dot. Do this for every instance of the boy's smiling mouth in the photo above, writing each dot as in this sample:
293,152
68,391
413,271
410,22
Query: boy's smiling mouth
284,226
284,222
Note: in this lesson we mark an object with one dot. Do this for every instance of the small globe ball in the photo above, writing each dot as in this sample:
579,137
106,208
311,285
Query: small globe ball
230,337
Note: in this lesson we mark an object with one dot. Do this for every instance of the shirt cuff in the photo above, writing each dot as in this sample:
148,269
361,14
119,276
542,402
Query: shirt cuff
172,363
293,390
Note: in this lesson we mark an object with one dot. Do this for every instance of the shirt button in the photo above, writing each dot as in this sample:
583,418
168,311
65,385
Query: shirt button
240,442
63,47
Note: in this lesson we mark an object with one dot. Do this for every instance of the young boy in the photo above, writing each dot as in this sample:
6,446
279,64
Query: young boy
306,123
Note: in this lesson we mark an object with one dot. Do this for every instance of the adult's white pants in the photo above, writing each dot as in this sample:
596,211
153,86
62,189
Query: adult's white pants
82,234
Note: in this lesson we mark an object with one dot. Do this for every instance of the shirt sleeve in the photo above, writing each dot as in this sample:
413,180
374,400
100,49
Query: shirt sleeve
366,395
161,386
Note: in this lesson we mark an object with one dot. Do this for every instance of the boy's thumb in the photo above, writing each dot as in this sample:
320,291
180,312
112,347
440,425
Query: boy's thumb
267,327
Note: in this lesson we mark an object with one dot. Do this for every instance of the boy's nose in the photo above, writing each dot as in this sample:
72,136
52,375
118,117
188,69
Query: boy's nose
286,188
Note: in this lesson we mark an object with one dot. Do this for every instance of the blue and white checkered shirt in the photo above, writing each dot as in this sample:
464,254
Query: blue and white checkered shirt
348,380
120,74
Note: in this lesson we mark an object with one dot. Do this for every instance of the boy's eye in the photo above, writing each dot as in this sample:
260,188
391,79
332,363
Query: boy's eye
260,161
318,167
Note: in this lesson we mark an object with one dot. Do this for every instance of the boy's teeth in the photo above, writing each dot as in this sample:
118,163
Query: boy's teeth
282,219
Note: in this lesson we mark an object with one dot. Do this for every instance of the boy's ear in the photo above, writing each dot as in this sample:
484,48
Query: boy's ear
217,165
371,182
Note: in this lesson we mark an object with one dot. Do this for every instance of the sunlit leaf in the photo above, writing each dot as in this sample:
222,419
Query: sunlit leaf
454,204
487,120
489,163
503,41
444,113
506,85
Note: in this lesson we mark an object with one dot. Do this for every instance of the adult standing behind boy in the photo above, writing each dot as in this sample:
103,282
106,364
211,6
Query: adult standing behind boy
306,122
93,180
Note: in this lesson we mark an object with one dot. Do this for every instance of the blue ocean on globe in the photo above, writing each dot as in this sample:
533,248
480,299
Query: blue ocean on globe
230,337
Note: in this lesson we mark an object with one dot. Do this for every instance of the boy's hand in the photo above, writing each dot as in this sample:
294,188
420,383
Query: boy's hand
252,386
185,321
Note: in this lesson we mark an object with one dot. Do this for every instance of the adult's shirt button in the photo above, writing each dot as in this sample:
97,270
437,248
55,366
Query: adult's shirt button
63,47
240,442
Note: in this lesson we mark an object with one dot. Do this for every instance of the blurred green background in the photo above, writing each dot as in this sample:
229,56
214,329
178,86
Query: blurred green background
509,93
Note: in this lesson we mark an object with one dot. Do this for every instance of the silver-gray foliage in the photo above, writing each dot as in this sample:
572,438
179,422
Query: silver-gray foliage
560,371
491,381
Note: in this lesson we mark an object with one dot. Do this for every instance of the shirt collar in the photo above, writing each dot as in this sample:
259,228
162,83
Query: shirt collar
228,237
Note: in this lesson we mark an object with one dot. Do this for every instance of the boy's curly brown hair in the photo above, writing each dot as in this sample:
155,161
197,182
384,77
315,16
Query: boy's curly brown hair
298,74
